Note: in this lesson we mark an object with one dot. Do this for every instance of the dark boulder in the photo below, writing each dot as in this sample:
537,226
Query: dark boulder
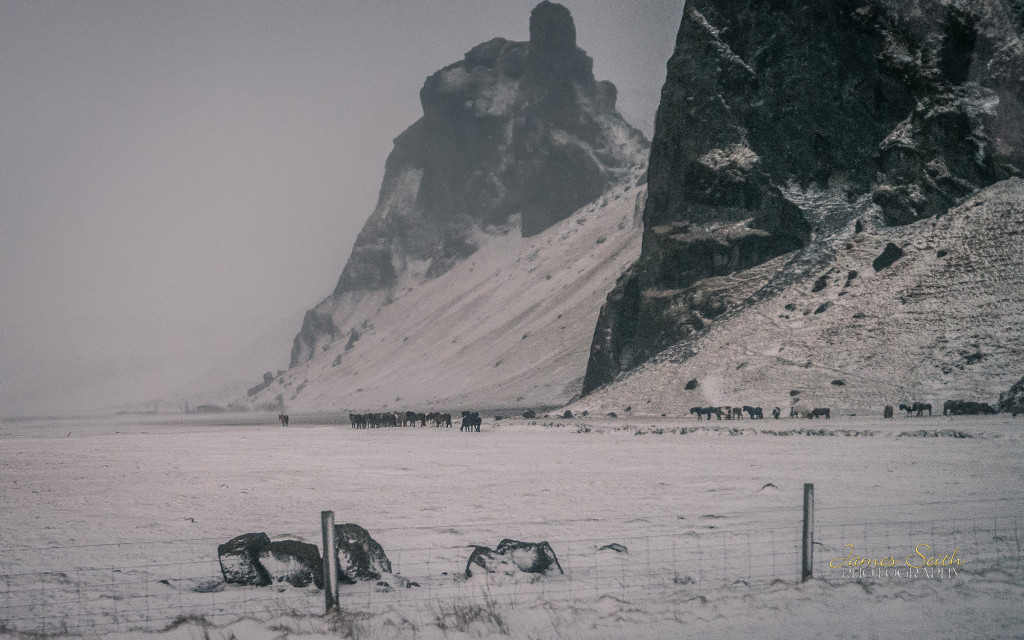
490,561
240,559
297,563
252,559
512,556
889,255
360,557
691,385
530,557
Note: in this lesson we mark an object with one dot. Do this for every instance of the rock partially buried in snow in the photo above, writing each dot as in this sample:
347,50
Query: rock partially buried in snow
889,255
360,557
490,561
616,547
512,556
252,559
240,559
297,563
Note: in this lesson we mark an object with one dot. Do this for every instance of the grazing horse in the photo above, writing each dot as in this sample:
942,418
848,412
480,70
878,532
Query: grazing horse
283,417
919,407
908,408
887,413
776,412
701,411
718,411
737,413
470,419
817,412
754,412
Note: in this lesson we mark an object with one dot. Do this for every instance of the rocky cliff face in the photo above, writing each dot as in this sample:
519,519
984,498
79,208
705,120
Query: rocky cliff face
515,134
783,123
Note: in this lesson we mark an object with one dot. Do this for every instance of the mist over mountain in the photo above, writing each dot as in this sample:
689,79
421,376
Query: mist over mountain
514,139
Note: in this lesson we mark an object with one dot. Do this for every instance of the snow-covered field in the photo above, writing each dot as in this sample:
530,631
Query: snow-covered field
110,525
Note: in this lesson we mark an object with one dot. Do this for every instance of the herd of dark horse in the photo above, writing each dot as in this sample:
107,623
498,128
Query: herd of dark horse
470,420
727,412
949,408
757,413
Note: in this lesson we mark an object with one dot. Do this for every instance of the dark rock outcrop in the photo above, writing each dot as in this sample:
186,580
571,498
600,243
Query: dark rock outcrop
1013,400
268,379
360,557
515,129
898,110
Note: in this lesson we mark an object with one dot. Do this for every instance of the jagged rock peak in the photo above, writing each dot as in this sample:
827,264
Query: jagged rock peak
516,134
552,30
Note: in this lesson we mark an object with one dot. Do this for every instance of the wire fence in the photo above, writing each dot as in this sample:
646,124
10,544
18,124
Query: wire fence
95,589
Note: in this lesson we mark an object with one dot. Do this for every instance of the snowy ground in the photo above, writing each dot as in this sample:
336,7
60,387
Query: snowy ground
110,525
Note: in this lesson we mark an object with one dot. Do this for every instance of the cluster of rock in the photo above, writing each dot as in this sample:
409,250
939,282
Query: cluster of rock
252,559
513,556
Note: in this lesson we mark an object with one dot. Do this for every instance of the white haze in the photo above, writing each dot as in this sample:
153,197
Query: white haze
180,181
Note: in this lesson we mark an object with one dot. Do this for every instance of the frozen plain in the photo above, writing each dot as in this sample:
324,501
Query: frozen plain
165,490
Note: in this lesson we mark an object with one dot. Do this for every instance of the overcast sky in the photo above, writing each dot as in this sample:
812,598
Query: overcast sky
180,181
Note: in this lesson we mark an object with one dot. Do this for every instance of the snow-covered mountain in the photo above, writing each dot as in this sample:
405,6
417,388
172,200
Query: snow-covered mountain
505,214
944,321
783,128
509,326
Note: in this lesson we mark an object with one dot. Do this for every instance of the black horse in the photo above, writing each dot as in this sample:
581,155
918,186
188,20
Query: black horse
470,419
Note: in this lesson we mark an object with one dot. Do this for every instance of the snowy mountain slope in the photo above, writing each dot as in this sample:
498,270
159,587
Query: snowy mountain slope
928,328
509,326
909,107
514,130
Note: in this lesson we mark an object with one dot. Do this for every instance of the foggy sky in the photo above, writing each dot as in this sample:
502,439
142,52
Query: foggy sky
180,181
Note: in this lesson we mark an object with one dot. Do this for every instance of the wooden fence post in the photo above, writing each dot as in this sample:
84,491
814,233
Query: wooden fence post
330,561
807,570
